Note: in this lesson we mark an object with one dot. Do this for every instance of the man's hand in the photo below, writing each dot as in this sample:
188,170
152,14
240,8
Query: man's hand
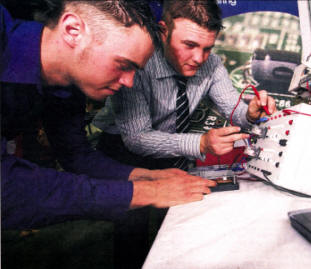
146,174
220,141
166,173
173,190
255,110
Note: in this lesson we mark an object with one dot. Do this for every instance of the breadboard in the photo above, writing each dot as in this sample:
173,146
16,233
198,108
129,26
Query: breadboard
284,153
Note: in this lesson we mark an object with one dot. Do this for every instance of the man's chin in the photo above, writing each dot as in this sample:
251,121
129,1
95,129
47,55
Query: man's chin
189,73
96,95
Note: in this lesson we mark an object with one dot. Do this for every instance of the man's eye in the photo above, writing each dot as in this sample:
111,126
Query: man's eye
124,68
191,46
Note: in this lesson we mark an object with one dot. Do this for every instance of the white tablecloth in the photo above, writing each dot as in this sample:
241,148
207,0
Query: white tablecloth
248,228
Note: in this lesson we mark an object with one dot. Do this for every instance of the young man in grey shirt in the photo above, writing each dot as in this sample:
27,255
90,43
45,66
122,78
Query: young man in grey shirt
148,128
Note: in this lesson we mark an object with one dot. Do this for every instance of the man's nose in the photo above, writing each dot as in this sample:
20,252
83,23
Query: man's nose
127,79
198,56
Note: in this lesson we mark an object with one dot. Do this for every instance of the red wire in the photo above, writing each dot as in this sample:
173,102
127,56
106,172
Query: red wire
256,93
289,111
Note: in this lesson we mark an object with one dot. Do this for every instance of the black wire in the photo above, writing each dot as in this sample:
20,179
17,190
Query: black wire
296,193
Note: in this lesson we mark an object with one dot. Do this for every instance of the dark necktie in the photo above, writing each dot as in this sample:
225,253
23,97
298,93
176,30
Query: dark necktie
182,115
182,106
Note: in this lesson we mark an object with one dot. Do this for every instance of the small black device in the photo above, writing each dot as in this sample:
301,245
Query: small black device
225,177
225,184
301,222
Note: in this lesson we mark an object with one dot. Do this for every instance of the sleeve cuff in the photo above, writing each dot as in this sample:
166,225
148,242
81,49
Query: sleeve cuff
244,119
190,146
110,199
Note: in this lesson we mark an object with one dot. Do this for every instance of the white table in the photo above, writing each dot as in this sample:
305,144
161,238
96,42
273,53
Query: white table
248,228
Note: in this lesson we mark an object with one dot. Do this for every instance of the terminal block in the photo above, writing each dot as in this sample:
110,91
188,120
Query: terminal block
281,152
252,152
255,131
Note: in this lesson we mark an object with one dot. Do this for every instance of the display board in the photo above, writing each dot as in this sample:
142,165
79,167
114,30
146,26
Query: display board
260,45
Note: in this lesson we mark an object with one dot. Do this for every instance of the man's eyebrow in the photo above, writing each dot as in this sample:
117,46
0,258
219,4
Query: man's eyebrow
190,42
197,44
210,47
129,63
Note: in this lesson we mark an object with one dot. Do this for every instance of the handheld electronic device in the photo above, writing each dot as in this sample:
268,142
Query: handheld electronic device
281,149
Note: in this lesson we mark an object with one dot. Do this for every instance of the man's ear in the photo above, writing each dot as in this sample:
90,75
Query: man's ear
164,33
73,29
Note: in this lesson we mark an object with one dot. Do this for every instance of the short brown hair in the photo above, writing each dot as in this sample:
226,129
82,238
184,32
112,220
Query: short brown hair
124,12
205,13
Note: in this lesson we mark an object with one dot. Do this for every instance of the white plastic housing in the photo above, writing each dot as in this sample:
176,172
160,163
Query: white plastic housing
287,165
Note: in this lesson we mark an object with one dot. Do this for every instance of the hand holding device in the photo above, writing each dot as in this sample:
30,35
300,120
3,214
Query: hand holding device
221,141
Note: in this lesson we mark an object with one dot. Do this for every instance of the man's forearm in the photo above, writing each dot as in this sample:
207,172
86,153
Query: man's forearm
159,144
33,196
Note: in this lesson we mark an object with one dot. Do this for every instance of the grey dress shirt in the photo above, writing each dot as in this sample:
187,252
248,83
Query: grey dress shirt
145,114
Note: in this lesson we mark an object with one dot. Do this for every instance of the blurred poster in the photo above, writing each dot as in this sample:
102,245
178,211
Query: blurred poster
260,45
235,7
